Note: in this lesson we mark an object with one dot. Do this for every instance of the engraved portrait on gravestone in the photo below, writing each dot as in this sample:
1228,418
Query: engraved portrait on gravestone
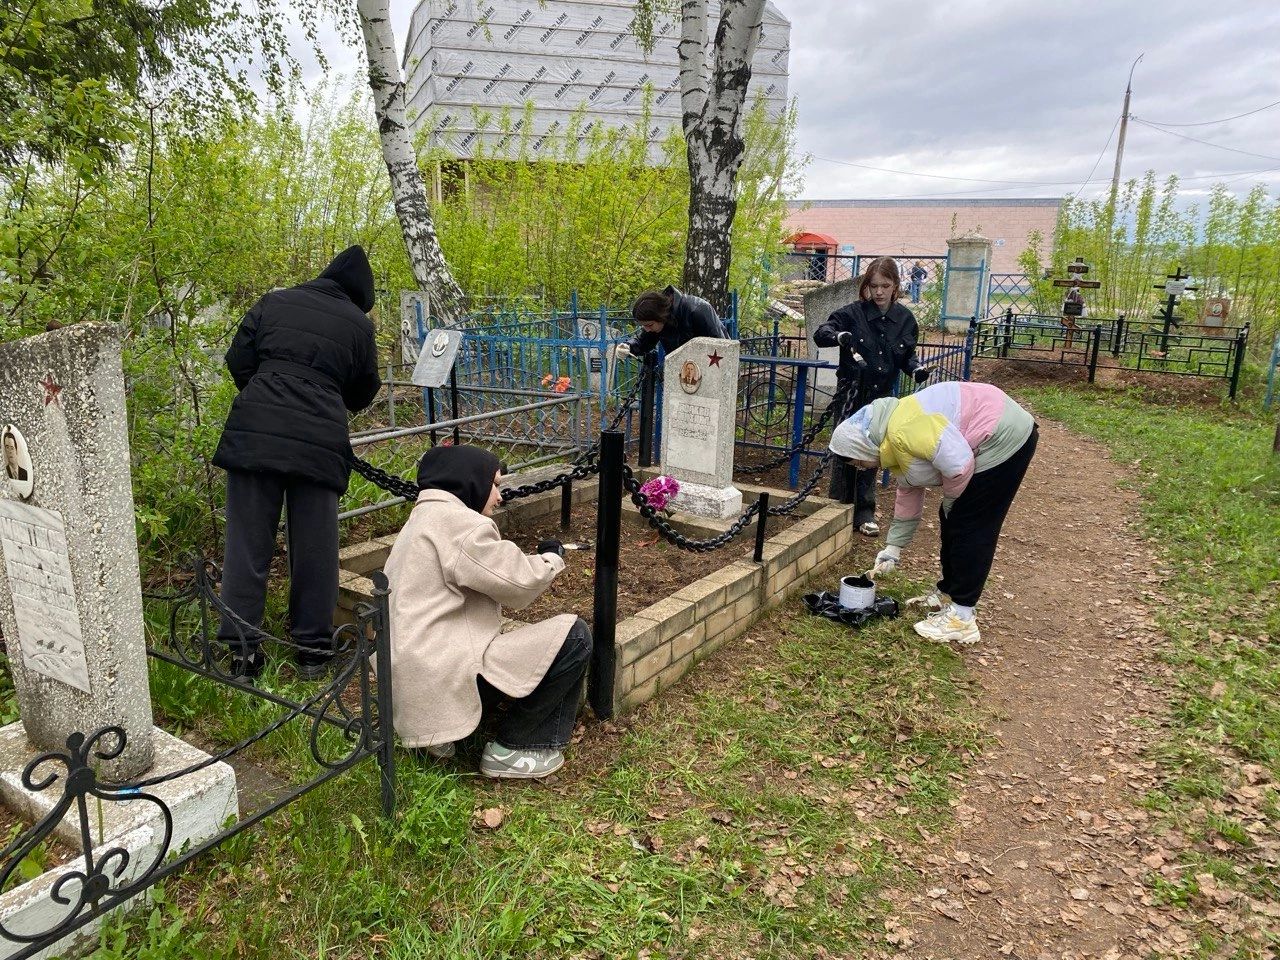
690,377
18,472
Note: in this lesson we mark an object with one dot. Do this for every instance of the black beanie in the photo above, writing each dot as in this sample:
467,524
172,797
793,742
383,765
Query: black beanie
351,271
466,472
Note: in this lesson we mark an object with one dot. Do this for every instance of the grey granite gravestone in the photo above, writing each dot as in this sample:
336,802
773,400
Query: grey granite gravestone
70,596
439,350
599,364
699,425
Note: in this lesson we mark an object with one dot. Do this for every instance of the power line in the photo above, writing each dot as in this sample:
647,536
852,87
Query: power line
1207,143
1094,170
1209,123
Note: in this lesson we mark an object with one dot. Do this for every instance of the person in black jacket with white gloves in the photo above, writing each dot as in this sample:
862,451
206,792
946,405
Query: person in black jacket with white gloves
877,339
671,318
302,358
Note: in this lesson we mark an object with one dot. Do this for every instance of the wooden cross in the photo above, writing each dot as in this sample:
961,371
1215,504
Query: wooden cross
1073,305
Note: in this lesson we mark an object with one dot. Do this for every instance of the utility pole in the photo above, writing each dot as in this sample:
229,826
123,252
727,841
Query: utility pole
1124,126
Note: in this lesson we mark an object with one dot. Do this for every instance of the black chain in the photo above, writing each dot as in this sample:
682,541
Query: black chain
782,509
670,533
838,402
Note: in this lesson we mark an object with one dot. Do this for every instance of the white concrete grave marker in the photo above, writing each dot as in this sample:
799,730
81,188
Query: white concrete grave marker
699,426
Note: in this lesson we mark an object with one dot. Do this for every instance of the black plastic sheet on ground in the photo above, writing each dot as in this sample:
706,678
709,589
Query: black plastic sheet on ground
827,604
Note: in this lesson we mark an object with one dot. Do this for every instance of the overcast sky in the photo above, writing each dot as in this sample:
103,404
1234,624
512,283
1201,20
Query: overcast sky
1021,90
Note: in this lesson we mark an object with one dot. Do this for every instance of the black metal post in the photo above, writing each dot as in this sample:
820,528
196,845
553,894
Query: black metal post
566,503
453,400
1169,322
1008,333
1242,341
1093,352
608,533
386,736
762,518
1117,335
647,390
431,412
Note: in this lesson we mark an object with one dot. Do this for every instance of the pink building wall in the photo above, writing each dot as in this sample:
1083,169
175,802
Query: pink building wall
898,227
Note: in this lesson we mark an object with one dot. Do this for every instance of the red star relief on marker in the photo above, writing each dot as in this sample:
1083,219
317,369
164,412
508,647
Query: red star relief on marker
51,389
715,358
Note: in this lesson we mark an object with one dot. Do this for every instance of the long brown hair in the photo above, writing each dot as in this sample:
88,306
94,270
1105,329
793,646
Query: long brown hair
886,267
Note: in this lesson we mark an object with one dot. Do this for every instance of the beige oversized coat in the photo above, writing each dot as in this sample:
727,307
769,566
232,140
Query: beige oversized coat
451,574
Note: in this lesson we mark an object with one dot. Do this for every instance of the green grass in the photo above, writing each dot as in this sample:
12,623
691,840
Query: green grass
1210,503
760,807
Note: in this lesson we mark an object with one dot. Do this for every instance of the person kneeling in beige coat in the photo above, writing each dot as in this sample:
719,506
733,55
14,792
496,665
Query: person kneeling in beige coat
451,574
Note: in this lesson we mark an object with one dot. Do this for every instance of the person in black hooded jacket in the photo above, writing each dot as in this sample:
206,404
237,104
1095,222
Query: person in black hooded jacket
302,358
670,318
877,339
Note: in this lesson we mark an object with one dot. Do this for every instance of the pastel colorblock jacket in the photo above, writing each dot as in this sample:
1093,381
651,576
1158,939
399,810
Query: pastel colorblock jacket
939,437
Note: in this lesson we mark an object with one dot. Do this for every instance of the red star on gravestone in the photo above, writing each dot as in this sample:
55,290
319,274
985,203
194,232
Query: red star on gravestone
51,390
715,358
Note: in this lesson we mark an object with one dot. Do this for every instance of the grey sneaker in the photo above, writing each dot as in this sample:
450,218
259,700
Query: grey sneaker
497,761
442,751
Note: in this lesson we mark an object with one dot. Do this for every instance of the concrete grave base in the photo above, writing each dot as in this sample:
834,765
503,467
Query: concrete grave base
201,804
717,503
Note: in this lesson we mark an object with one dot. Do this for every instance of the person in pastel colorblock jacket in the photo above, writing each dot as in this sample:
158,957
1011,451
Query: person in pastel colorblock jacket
974,442
451,575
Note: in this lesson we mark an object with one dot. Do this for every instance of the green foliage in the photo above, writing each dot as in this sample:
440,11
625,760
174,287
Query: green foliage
598,212
1230,245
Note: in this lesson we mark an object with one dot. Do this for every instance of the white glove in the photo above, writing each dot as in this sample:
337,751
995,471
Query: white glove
886,562
622,351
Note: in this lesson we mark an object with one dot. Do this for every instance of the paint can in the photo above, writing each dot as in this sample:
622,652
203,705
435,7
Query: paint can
857,593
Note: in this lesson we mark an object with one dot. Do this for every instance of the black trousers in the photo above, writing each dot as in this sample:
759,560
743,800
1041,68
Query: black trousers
254,501
544,719
851,485
970,533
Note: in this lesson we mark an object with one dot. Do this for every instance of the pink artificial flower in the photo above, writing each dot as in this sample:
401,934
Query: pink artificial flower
660,491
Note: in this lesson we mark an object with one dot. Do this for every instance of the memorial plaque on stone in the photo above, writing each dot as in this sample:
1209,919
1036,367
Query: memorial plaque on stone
414,312
70,596
699,425
439,350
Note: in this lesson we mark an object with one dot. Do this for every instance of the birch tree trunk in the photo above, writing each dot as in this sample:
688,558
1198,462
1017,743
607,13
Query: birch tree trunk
430,270
713,94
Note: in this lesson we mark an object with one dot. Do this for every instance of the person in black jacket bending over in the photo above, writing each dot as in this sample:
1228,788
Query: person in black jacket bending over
301,359
877,339
671,318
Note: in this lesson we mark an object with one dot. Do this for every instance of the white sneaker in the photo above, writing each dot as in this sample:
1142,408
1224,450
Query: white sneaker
945,627
442,751
497,761
869,529
935,600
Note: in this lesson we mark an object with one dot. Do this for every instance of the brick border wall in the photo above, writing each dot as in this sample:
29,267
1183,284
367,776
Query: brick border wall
664,641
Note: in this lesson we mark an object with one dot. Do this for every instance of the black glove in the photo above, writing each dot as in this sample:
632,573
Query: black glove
551,546
845,339
921,374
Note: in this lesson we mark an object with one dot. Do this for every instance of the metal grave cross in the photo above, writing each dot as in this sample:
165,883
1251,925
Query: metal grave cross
1073,304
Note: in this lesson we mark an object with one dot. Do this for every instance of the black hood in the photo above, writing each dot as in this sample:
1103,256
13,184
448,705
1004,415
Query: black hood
351,271
466,472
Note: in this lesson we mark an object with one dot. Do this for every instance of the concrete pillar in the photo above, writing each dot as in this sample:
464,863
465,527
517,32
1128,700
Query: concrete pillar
968,269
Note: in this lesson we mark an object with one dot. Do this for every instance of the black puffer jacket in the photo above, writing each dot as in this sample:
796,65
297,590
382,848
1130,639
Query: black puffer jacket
886,341
690,317
302,358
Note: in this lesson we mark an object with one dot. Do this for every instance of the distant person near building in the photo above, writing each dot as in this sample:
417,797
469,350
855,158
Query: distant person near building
917,278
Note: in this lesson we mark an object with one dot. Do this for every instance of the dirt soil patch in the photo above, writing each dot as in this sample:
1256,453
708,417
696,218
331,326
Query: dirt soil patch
649,568
1051,844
